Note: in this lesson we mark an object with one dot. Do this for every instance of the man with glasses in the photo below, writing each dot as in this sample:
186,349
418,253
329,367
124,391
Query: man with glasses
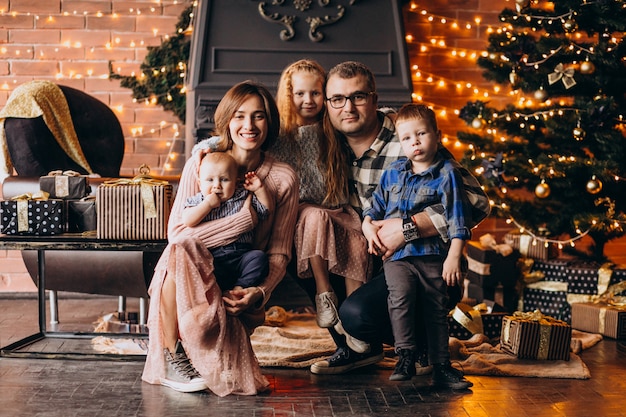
368,137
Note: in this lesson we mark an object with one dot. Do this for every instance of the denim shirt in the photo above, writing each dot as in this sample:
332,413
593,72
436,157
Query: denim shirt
401,193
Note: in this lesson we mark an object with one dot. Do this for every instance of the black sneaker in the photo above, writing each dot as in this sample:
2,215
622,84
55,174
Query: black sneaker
180,375
445,376
344,360
421,364
405,367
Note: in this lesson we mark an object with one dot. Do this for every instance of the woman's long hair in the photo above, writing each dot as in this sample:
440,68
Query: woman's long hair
230,103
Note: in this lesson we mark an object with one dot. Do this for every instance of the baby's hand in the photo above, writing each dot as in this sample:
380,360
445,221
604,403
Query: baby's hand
252,182
213,200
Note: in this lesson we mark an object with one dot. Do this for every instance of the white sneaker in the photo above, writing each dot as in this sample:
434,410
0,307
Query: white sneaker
326,306
353,343
180,375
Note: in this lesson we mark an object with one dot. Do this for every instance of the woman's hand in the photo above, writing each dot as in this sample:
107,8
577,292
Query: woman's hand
238,300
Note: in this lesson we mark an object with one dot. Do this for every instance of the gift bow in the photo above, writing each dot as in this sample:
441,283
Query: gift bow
487,241
68,173
147,197
562,73
38,196
537,316
22,207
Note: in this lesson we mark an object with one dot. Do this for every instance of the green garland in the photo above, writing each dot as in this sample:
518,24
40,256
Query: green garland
164,70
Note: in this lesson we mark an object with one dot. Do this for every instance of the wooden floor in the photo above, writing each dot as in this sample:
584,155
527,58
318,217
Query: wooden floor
53,387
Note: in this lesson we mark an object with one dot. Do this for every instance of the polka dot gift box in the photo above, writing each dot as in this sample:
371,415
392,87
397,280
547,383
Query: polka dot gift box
32,215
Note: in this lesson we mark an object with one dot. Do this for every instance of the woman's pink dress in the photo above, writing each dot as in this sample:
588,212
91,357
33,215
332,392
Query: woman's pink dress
218,344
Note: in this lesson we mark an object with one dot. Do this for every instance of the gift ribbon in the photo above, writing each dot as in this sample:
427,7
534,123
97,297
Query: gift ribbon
487,241
478,267
468,317
546,323
604,279
22,207
146,183
526,265
564,74
62,181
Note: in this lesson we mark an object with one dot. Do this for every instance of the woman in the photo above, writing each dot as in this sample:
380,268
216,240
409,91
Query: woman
328,233
199,336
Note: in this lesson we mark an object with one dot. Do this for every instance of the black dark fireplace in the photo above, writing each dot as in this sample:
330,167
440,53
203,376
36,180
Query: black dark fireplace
236,40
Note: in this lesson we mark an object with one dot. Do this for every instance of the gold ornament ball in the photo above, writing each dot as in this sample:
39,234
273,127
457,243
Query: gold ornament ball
587,67
541,94
594,186
542,190
570,25
477,123
578,133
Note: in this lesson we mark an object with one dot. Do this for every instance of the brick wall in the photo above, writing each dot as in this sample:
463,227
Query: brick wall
72,42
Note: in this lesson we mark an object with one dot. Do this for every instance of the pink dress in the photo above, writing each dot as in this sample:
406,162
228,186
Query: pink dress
218,344
332,233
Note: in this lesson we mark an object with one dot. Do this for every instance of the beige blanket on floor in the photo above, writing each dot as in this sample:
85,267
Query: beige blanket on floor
295,341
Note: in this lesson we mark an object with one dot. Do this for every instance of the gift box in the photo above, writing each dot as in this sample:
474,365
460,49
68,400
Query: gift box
605,319
535,336
32,217
465,321
82,215
65,185
530,247
548,297
488,268
553,269
133,209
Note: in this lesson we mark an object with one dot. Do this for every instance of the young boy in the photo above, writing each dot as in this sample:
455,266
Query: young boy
237,265
418,273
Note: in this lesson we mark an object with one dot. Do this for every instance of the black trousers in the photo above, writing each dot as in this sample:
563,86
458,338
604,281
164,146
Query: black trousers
364,313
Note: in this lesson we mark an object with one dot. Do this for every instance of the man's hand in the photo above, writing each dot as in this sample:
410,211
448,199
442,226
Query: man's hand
390,235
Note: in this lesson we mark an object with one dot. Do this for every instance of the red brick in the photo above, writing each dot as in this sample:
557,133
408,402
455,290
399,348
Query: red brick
17,21
36,68
137,8
80,6
164,25
153,114
46,37
113,23
86,38
110,54
134,161
126,68
85,69
12,51
36,6
60,22
59,53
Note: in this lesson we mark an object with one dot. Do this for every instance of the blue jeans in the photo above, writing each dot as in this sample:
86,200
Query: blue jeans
239,264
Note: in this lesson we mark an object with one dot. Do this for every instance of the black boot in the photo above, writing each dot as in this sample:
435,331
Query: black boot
405,367
445,376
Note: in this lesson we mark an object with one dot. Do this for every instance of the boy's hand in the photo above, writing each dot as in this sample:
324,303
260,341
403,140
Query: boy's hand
374,245
452,273
252,182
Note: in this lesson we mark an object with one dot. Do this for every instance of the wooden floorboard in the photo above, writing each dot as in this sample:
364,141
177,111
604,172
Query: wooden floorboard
52,387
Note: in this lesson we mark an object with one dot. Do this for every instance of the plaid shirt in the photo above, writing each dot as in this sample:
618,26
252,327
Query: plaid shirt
402,193
367,170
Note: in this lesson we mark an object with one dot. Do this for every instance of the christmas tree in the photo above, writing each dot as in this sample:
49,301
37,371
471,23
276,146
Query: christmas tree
163,71
553,160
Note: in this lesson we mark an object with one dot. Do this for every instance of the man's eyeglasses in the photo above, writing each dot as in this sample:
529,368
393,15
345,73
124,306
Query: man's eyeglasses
358,99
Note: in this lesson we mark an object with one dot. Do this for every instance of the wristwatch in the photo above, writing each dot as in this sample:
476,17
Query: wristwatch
409,229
